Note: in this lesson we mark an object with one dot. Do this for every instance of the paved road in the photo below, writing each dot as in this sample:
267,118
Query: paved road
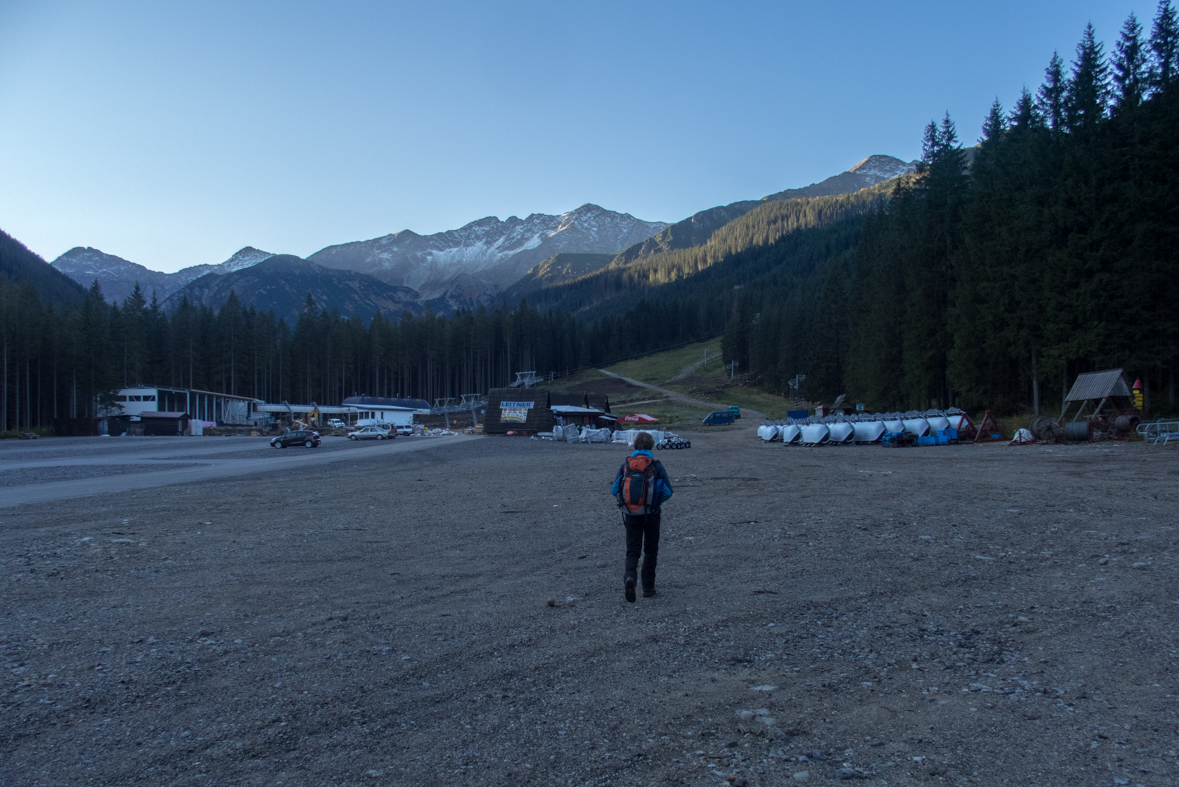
155,461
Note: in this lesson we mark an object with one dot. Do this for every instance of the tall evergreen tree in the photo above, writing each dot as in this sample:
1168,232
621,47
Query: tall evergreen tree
1087,96
1026,114
1051,96
996,122
1164,46
1131,70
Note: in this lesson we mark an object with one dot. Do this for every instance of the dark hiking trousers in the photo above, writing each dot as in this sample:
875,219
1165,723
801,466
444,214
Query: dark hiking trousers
642,537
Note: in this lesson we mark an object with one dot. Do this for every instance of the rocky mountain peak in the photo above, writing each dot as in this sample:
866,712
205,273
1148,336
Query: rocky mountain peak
244,258
882,168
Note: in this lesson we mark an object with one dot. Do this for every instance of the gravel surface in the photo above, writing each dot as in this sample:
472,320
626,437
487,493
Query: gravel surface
47,475
959,614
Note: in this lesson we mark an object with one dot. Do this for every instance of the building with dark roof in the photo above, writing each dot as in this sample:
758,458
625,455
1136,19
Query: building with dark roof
567,399
598,401
519,410
384,410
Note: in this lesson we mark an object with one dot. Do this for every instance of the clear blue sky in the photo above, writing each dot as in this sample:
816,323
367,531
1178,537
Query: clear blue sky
173,134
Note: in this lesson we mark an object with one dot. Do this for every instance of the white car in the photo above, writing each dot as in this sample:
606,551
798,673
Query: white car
372,433
405,429
336,423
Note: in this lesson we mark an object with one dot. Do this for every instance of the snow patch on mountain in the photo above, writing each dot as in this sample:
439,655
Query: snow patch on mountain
496,252
878,169
245,258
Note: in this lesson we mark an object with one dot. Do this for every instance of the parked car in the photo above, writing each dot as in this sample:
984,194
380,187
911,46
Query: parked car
405,429
336,423
372,433
304,437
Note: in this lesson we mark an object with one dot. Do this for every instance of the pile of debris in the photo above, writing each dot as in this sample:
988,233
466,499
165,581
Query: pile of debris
571,433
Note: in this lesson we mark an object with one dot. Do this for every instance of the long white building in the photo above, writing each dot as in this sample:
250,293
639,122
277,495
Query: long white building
201,405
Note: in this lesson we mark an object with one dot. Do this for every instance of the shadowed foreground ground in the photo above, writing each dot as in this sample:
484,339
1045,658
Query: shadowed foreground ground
961,614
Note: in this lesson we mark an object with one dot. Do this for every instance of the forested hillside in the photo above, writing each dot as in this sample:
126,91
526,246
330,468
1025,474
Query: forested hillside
51,285
699,227
558,269
621,284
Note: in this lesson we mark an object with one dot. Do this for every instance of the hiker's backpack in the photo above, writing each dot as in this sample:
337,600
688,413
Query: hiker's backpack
636,491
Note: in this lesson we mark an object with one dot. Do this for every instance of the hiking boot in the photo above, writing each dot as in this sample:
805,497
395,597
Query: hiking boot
648,592
630,590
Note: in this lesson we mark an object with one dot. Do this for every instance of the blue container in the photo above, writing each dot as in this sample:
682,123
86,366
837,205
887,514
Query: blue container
927,440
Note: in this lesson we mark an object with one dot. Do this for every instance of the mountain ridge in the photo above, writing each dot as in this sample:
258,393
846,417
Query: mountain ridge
699,227
282,282
493,251
118,276
620,284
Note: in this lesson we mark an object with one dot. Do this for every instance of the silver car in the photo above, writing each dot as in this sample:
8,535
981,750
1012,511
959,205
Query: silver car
372,433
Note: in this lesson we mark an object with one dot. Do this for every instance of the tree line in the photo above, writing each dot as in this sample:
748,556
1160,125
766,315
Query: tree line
993,282
59,362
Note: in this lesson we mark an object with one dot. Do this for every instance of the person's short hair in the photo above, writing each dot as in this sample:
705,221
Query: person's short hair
644,441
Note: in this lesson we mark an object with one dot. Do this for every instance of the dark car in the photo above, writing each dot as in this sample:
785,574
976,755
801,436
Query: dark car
300,437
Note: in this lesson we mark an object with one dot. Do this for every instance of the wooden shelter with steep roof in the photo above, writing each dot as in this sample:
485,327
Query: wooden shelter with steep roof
1107,393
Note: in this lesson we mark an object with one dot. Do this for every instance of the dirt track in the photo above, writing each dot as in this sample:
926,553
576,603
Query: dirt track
675,395
976,615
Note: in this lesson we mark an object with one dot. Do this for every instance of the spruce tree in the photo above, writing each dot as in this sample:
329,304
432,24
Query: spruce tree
930,145
1026,114
996,122
1164,46
1052,92
1087,96
1131,70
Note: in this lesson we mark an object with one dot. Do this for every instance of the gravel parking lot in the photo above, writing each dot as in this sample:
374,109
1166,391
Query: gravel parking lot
41,472
959,614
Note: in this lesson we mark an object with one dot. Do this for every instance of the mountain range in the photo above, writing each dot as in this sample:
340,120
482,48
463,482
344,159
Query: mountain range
483,262
496,252
118,276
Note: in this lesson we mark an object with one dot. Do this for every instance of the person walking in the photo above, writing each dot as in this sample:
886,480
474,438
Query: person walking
641,488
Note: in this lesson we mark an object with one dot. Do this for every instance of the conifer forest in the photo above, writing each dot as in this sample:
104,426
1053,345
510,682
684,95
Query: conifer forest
988,278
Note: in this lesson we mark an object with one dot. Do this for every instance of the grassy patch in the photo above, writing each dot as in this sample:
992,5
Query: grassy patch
661,367
13,434
671,415
578,381
708,382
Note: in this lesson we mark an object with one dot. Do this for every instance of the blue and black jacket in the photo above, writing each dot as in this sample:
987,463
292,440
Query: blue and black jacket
662,483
